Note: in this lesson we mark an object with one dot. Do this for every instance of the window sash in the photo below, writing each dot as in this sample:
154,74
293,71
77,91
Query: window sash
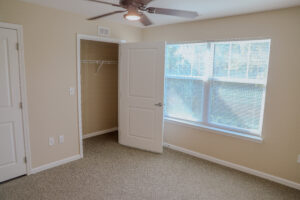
205,112
208,78
200,93
256,132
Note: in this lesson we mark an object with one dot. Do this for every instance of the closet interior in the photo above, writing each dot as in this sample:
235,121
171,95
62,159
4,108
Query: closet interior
99,87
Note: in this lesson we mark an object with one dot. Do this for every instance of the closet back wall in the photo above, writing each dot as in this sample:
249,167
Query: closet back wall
99,90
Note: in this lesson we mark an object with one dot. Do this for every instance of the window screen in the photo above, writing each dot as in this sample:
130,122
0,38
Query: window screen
218,84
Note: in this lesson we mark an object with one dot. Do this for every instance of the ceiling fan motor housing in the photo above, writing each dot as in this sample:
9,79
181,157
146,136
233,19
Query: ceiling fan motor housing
131,3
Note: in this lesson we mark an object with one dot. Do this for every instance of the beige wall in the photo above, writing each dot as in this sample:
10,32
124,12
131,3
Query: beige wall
281,129
99,90
50,59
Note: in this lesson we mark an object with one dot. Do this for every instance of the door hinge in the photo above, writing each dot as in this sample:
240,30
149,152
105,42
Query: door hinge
17,46
21,105
25,159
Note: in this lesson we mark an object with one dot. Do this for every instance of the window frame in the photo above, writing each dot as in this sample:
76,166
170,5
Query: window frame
207,81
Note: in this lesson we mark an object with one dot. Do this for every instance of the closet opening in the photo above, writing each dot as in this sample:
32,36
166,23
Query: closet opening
97,87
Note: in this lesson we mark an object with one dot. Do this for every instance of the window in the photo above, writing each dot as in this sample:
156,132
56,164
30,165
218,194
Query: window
218,84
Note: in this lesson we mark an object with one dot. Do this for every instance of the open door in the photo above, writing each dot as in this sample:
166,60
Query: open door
141,92
12,149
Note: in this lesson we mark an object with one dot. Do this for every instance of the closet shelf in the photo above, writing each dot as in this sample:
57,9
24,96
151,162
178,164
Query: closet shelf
100,62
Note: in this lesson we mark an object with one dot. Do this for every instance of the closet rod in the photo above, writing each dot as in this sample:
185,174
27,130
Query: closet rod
100,62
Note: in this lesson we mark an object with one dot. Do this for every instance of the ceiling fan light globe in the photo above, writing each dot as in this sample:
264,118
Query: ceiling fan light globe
132,17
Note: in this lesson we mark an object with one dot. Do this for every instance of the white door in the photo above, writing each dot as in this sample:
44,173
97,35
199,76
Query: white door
141,92
12,152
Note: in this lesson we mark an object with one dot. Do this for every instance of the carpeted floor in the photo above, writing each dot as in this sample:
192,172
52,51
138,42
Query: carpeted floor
112,171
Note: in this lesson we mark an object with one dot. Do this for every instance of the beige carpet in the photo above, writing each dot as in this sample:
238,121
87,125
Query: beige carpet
112,171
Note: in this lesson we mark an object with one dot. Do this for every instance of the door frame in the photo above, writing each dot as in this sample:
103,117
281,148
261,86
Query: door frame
91,38
23,91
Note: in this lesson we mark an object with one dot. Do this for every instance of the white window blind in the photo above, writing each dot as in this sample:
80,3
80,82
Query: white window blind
218,84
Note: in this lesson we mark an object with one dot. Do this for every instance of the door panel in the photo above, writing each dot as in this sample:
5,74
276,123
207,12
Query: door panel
7,142
5,99
141,122
12,150
141,86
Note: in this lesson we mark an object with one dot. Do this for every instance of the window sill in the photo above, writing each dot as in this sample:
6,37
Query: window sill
252,138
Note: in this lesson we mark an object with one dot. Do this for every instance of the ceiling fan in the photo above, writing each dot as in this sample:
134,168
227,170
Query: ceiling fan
135,11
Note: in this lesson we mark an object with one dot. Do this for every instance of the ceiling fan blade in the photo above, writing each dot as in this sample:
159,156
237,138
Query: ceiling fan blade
104,2
145,2
145,20
173,12
107,14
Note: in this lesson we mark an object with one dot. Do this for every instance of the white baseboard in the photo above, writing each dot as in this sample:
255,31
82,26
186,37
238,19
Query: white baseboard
54,164
236,166
99,132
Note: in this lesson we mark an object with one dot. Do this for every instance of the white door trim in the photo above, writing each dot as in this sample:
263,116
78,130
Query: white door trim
92,38
19,29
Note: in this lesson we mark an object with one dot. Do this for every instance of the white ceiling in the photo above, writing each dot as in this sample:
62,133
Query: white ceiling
206,8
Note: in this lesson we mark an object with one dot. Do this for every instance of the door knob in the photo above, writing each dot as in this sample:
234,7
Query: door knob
158,104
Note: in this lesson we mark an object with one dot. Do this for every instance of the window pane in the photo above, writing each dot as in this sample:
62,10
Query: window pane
221,58
201,59
184,99
172,60
236,104
187,59
239,59
259,59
